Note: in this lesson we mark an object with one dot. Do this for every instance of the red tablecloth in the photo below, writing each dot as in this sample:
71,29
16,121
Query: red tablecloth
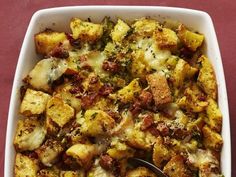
15,16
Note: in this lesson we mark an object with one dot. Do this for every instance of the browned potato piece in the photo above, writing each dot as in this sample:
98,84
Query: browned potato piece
59,112
176,167
145,26
119,150
97,123
82,153
182,71
47,173
25,166
206,78
192,99
85,31
63,92
214,115
30,134
140,140
48,153
211,139
72,173
46,41
190,39
34,102
161,154
140,172
120,31
160,88
166,38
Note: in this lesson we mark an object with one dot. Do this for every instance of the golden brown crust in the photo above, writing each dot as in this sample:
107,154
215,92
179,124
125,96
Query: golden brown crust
160,88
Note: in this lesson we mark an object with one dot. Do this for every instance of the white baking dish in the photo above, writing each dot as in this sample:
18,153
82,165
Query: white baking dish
58,19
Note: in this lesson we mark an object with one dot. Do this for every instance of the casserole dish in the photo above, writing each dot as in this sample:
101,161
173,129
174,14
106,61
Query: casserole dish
58,18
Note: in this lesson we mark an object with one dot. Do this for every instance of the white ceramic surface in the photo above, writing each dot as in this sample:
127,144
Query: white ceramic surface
58,19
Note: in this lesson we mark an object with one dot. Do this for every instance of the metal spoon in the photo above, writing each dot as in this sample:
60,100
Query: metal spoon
156,170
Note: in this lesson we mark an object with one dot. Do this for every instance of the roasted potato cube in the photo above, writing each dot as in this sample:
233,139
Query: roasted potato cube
79,173
45,72
63,92
161,154
30,134
182,71
166,38
120,31
190,39
96,123
206,78
192,100
59,112
85,31
140,172
46,41
145,26
47,173
34,102
211,139
214,116
160,88
119,150
49,152
128,93
176,167
140,139
25,166
82,153
139,66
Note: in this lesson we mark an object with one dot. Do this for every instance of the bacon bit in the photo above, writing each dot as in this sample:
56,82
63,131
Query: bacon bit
180,133
136,107
185,53
145,98
147,121
73,41
163,129
106,89
202,97
93,80
153,131
114,115
77,78
83,58
110,66
59,52
106,162
88,100
76,90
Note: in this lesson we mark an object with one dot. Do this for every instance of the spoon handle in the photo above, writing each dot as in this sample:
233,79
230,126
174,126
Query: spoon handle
148,165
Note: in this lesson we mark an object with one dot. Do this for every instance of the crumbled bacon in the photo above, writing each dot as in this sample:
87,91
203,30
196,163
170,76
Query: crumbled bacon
106,162
88,100
110,66
59,52
145,98
163,129
147,121
136,107
106,89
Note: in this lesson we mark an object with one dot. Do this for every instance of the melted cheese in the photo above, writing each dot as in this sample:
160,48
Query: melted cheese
45,72
202,157
155,57
95,60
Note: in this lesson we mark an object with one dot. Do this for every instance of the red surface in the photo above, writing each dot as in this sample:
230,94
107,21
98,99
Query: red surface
15,16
